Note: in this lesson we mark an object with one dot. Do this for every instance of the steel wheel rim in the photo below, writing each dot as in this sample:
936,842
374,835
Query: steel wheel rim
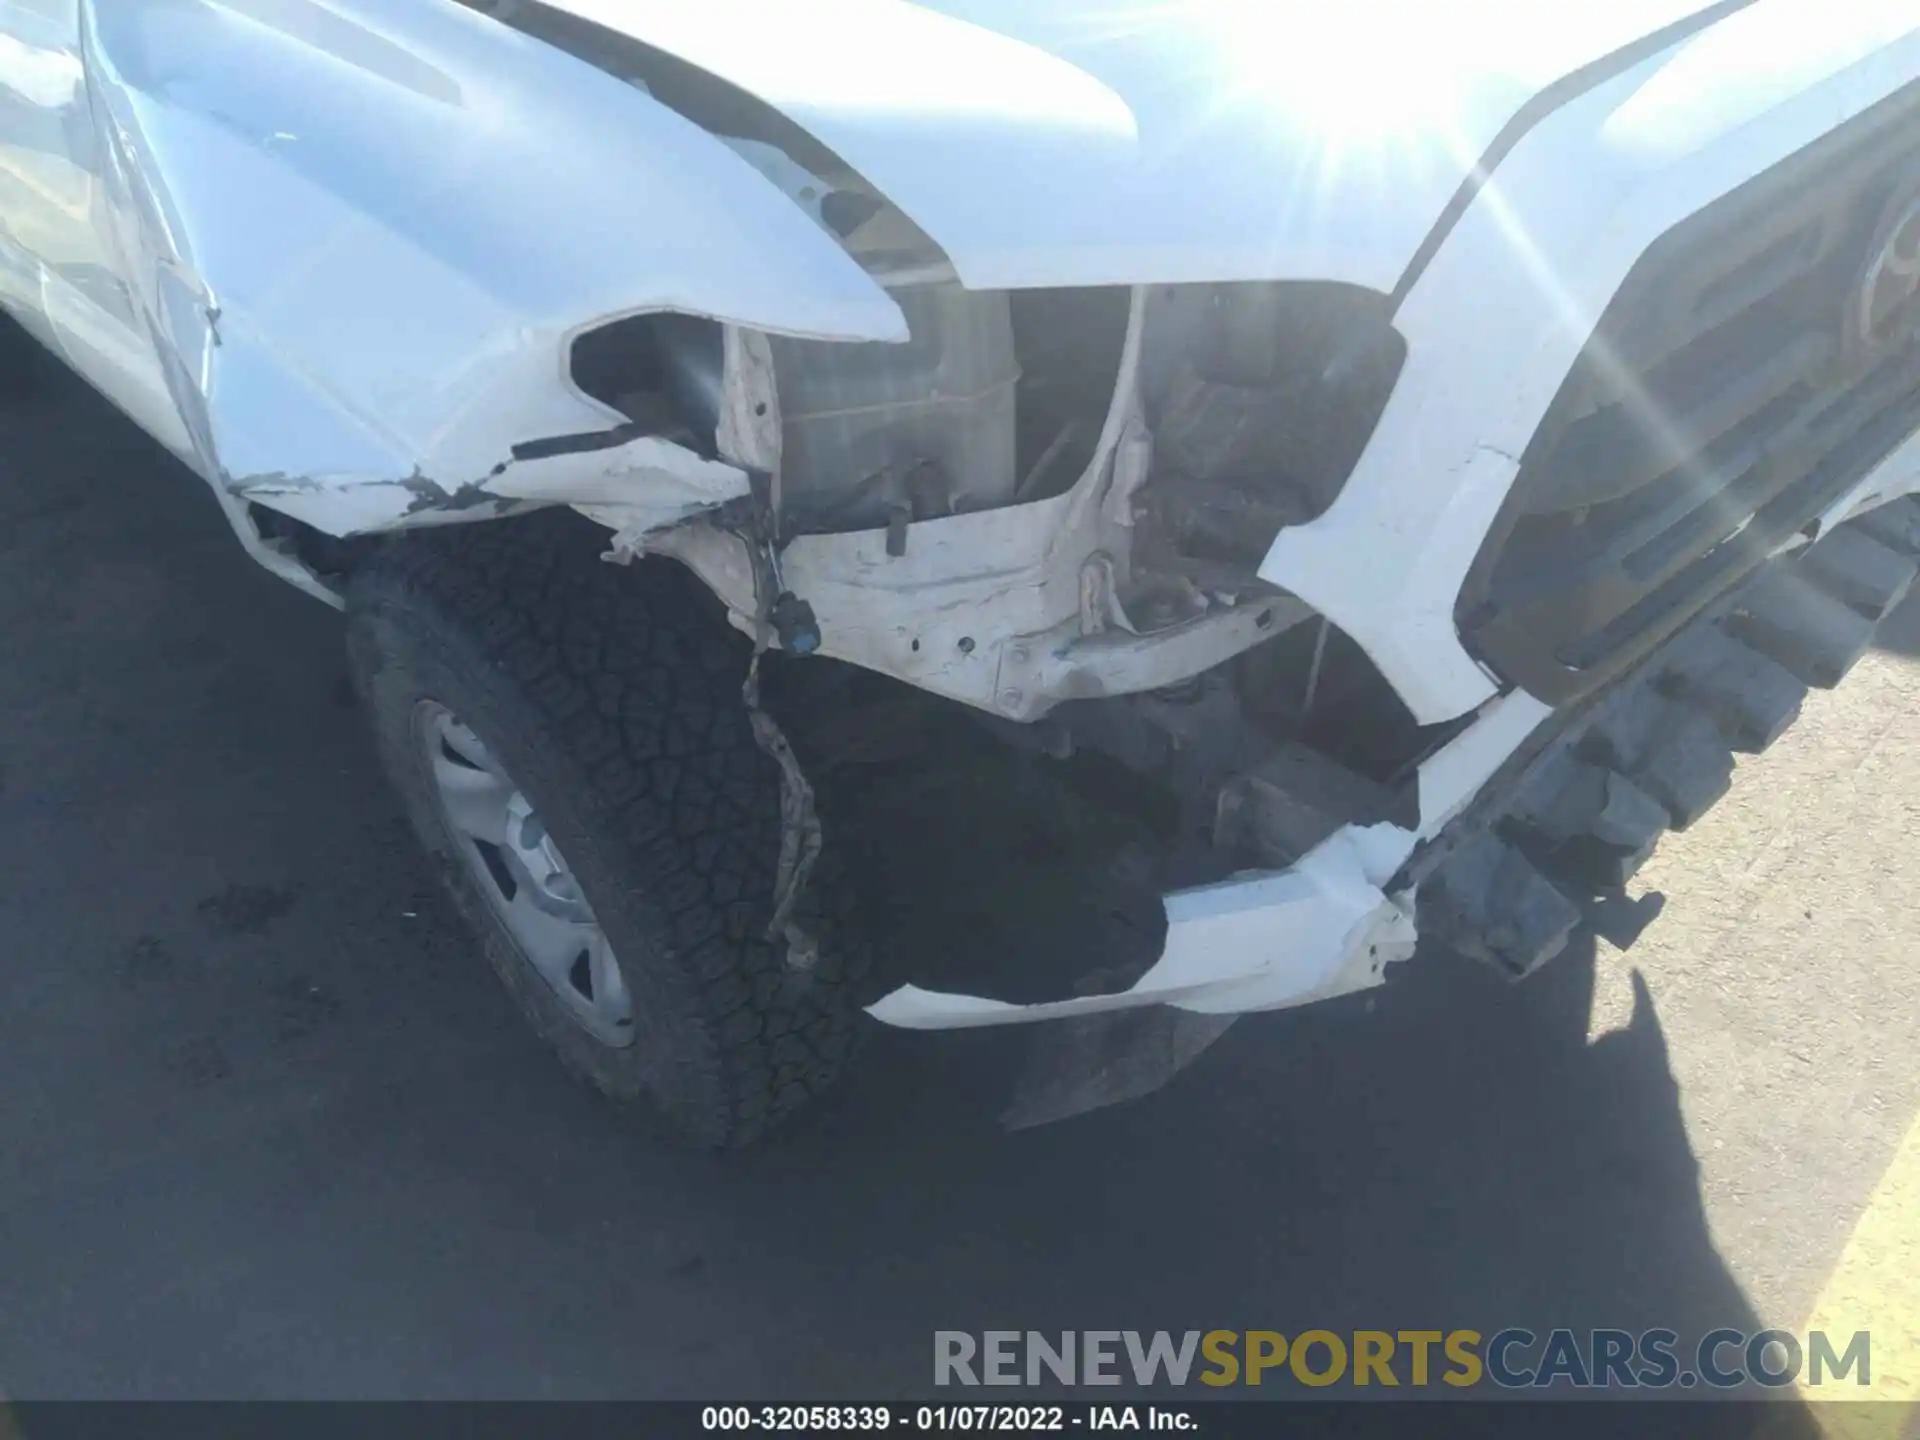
507,851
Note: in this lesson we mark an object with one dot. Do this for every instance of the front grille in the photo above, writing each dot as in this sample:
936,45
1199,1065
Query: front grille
1727,396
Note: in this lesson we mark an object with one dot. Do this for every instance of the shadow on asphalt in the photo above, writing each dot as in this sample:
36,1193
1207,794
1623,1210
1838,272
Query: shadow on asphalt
269,1130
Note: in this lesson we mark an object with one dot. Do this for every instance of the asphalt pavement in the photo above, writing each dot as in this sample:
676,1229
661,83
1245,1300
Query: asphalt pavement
268,1129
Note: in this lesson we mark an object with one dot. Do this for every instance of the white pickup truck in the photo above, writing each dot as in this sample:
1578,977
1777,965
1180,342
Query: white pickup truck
1419,443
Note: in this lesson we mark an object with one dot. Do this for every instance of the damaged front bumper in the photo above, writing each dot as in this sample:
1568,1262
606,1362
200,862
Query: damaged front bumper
1326,926
1532,822
1223,952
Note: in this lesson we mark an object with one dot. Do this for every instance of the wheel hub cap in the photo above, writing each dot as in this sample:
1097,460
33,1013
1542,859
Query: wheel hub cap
513,858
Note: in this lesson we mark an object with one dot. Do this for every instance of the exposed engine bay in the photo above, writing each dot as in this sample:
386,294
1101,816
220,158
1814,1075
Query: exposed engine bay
1042,496
1050,505
1139,451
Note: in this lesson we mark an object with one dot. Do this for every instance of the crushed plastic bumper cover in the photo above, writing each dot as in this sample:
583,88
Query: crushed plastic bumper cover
1321,928
1327,925
1584,797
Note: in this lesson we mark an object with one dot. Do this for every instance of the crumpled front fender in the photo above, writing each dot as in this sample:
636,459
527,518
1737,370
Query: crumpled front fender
362,237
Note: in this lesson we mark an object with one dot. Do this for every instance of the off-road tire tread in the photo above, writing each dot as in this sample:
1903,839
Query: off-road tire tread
629,680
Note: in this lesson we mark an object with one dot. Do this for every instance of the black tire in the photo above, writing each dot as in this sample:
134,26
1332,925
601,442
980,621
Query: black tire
612,697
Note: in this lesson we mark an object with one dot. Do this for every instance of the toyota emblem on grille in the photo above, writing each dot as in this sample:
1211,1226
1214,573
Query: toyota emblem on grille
1887,314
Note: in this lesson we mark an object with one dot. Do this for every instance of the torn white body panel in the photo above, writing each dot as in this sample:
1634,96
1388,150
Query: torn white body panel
1221,956
639,486
335,251
1324,927
1454,775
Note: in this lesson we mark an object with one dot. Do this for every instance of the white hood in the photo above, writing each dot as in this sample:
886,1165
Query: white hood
1086,142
